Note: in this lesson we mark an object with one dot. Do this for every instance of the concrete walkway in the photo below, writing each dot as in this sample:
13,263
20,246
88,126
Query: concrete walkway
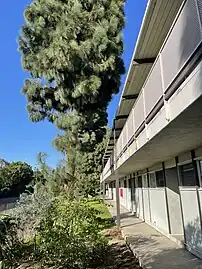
154,250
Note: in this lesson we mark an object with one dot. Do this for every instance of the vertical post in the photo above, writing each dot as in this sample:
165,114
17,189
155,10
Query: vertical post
118,219
103,186
103,182
181,206
166,196
197,175
163,86
143,94
148,184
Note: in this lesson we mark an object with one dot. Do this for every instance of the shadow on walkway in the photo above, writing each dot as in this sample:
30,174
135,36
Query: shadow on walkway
154,250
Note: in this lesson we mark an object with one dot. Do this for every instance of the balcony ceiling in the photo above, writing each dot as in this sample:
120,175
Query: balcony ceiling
157,21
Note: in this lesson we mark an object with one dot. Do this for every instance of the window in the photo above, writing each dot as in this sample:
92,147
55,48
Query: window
139,182
199,165
134,183
160,181
187,175
152,180
130,183
145,181
125,184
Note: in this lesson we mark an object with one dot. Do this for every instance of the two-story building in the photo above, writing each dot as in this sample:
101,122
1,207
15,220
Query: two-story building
153,161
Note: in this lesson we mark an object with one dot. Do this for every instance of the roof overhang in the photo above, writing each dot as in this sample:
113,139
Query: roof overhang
158,18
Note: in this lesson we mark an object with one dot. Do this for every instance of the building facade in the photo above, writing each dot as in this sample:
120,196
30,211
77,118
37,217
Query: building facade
153,162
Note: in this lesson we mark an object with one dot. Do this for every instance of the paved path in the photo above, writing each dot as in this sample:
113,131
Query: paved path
154,250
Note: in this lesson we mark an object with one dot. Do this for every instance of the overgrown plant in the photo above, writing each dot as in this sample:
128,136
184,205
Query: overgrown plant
70,236
11,247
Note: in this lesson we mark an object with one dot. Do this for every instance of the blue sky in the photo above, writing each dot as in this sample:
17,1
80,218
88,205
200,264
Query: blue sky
21,139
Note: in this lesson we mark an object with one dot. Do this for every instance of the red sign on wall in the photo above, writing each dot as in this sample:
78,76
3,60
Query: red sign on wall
121,192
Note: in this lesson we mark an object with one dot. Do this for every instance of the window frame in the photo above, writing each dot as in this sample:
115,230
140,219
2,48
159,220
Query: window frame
181,182
163,176
199,171
145,180
150,180
139,177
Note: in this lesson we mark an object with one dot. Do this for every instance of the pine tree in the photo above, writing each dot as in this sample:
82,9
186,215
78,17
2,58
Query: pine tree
72,50
89,166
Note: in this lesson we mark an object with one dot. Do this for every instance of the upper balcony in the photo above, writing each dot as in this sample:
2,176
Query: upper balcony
170,87
156,24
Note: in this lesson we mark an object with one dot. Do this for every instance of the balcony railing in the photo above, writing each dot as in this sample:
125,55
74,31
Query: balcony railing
181,51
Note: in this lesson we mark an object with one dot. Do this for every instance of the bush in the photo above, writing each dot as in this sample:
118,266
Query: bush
14,177
31,209
56,231
10,244
70,236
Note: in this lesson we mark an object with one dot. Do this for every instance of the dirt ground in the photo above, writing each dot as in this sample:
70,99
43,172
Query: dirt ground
119,254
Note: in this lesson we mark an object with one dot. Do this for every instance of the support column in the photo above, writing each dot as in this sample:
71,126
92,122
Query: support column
103,186
118,218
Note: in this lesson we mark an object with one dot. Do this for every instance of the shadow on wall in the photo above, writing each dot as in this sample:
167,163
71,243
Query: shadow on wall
193,237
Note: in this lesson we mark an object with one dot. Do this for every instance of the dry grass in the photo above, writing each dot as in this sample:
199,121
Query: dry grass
113,233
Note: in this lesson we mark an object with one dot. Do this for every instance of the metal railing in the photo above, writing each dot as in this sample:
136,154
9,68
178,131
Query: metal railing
180,52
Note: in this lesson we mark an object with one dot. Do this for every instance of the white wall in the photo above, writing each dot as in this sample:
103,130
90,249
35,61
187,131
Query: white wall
139,203
173,196
159,217
191,216
146,204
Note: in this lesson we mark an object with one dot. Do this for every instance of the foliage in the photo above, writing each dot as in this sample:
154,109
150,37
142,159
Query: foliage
10,244
61,232
31,209
3,163
70,235
14,177
38,176
103,214
42,166
72,50
88,168
100,207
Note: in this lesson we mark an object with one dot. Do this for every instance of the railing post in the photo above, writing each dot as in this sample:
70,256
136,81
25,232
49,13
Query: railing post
144,108
167,110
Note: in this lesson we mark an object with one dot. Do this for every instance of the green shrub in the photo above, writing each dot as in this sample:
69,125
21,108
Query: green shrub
10,244
14,177
70,236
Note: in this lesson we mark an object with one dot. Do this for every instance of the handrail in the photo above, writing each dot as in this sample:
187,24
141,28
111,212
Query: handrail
156,90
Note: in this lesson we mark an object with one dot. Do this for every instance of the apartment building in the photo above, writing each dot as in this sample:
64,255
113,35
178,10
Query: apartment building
153,161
